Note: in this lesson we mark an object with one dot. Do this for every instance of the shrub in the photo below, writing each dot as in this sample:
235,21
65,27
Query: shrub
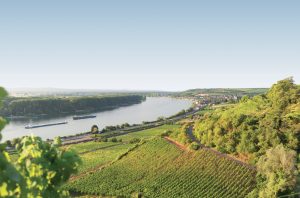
161,118
194,146
113,139
166,133
134,140
102,139
57,141
94,129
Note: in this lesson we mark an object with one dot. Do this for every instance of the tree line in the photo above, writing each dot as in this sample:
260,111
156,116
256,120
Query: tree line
65,105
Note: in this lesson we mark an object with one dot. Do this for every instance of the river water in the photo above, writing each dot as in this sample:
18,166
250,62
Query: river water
149,110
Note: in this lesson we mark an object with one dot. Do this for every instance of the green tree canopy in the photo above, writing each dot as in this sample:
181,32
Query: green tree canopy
277,170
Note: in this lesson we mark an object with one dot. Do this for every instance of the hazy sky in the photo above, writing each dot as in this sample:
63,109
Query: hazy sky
157,44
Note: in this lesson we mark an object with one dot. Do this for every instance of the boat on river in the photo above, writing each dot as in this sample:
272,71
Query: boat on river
44,125
83,117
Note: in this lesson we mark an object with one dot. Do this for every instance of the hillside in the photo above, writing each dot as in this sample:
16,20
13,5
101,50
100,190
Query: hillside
223,91
255,124
263,130
160,169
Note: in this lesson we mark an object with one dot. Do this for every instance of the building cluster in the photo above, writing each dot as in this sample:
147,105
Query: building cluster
205,99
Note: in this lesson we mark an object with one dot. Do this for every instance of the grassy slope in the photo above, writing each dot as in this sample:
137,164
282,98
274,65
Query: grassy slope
158,168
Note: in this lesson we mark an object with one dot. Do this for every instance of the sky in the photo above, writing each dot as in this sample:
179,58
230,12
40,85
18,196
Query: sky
148,45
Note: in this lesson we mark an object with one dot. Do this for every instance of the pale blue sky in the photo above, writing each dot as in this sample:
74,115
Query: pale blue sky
148,45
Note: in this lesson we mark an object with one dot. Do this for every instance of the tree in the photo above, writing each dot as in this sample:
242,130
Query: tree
94,129
282,93
276,171
194,146
57,141
245,98
125,125
161,118
247,142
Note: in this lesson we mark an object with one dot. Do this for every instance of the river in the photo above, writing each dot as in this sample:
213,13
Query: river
149,110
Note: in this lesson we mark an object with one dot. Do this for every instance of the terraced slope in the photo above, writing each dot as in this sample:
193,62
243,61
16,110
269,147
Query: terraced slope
159,169
97,154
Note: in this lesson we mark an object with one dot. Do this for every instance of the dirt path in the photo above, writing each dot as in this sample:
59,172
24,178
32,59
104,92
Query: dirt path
177,144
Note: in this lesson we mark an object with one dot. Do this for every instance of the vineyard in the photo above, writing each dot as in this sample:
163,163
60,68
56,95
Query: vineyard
159,169
89,146
149,133
102,156
97,154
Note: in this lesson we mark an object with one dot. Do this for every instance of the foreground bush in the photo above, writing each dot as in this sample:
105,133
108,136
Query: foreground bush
41,168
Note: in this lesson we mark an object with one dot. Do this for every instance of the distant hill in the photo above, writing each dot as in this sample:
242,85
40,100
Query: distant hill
35,106
35,92
223,91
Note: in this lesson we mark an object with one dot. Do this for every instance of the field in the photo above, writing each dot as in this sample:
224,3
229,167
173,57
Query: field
159,169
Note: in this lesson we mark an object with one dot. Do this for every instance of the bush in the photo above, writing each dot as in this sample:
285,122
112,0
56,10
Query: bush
134,140
102,139
166,133
194,146
125,125
113,139
161,118
94,129
55,167
120,140
57,141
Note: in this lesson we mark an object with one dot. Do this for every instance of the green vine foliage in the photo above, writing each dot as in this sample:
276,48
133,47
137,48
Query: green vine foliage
40,169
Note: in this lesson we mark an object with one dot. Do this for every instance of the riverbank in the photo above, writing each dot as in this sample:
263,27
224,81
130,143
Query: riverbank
85,137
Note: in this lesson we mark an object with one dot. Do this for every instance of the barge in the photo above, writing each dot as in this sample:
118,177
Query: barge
44,125
83,117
